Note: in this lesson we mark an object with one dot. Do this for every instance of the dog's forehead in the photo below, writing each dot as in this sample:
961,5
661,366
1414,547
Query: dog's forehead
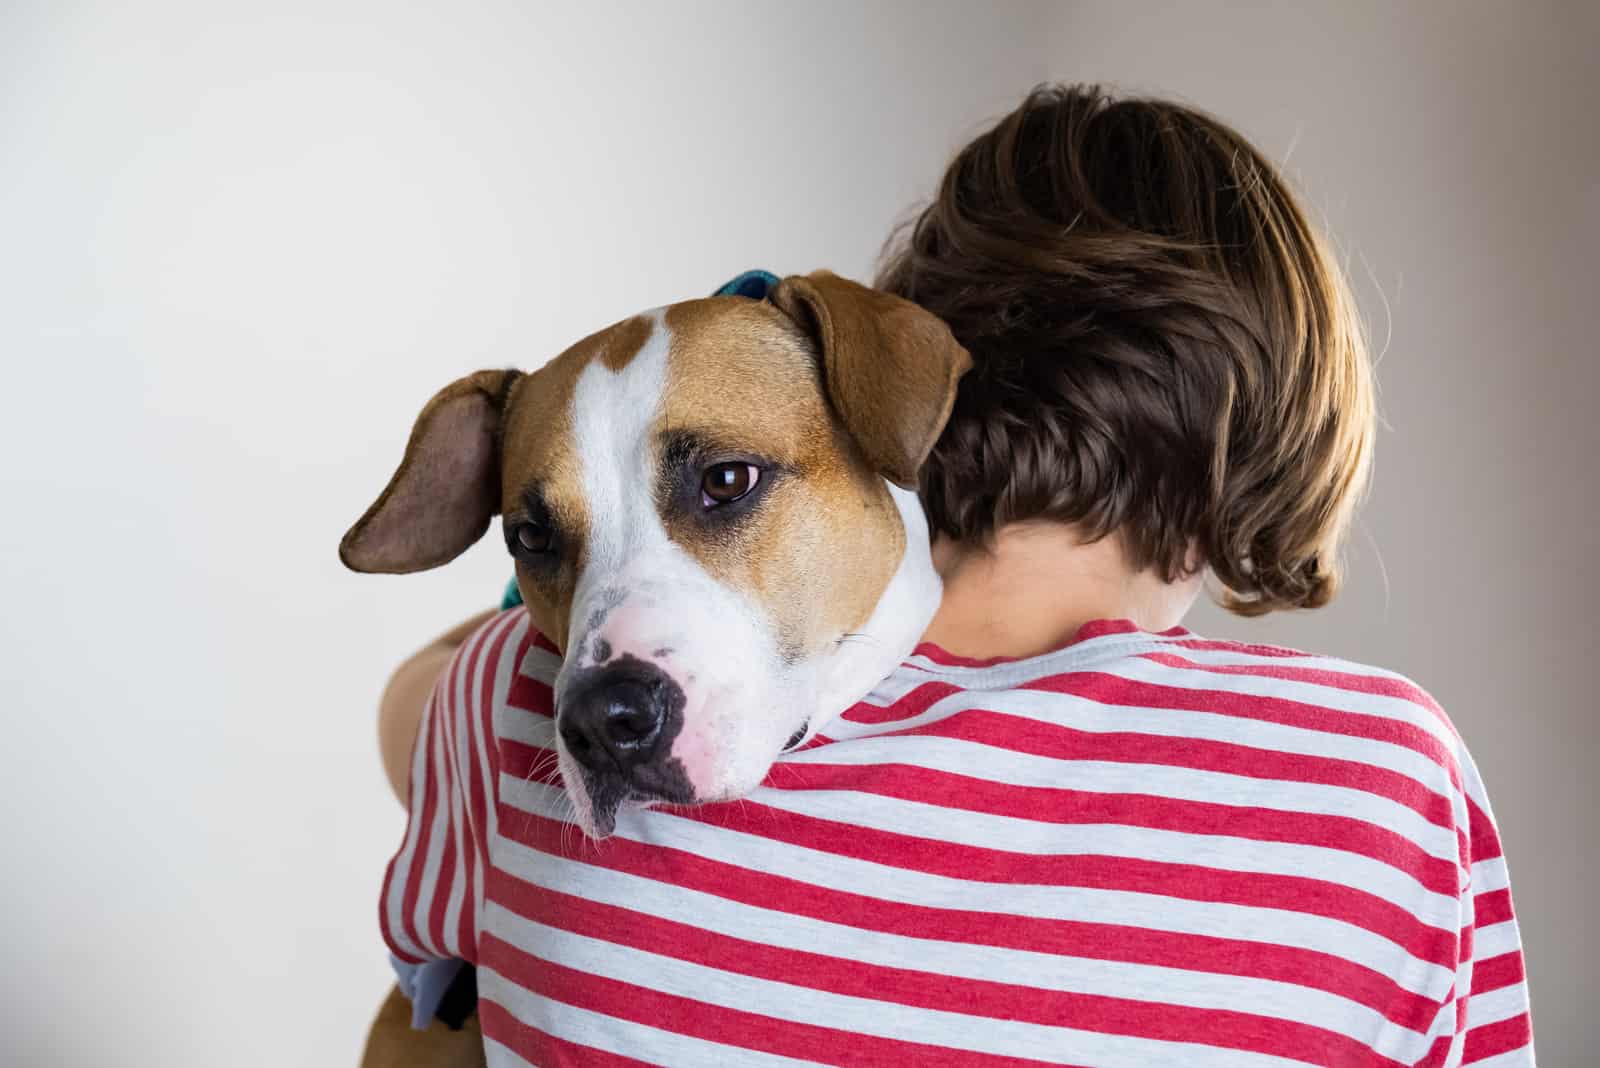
740,367
734,370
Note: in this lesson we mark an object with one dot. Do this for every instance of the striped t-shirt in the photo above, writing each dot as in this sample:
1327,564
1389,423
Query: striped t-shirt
1138,849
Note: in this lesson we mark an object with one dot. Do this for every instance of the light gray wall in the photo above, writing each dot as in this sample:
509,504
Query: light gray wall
1454,151
239,246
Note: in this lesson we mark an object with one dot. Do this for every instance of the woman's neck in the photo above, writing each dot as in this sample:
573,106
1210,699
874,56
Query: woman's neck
1036,583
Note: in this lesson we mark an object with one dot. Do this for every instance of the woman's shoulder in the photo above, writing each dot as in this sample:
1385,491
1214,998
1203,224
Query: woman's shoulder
1182,682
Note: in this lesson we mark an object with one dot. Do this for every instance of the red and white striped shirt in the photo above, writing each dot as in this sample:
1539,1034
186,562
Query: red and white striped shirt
1139,849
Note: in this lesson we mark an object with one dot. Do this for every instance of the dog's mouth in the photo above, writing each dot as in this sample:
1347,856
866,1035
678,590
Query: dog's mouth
647,785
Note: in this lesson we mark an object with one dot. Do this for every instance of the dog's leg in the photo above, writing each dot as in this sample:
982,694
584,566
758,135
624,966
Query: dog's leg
393,1044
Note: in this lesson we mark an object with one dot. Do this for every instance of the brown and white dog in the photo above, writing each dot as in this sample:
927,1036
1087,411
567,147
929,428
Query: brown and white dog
711,514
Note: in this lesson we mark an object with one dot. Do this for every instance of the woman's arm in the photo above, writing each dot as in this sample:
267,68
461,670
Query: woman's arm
404,698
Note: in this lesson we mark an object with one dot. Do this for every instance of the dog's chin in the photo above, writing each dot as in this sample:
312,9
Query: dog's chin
596,801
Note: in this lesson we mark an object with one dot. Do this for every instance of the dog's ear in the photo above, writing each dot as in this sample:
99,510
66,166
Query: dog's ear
890,366
447,488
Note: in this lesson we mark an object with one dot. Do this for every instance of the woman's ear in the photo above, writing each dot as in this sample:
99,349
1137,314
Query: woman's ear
890,367
447,487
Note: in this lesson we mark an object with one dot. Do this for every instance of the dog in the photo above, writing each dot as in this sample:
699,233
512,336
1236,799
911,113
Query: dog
711,511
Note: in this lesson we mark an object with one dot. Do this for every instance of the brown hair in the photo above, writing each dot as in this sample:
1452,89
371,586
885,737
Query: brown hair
1164,348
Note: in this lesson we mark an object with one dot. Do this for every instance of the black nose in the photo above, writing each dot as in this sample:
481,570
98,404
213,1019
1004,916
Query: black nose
612,720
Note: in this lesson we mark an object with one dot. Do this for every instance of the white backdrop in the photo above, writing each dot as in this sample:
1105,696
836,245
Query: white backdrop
240,246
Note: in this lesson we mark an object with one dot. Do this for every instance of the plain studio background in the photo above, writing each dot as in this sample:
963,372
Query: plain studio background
239,248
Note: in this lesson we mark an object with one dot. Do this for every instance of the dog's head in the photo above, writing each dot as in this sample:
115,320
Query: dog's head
710,511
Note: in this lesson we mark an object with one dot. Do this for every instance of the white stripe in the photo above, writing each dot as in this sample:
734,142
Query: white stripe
831,871
516,623
1009,767
1081,656
1043,971
1079,713
1241,656
428,885
498,1056
1496,1005
530,728
1375,706
804,1005
539,663
458,759
621,1037
1490,875
1495,940
983,831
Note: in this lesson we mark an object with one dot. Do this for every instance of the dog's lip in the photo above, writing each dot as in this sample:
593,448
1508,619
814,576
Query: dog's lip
607,795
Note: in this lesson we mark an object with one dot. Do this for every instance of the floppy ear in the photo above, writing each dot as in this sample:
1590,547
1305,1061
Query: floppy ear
890,366
448,486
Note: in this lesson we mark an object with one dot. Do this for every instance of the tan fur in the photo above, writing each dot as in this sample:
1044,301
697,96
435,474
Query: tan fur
890,367
437,503
821,548
392,1043
622,342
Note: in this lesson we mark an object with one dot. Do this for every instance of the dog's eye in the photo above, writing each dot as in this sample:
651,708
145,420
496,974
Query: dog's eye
726,483
534,537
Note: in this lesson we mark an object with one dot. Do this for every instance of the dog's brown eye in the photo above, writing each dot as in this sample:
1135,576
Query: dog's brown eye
534,538
726,483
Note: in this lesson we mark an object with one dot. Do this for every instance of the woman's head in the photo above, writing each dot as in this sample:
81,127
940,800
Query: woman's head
1165,350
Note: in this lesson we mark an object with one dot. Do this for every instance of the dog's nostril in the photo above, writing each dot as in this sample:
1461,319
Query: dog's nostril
629,719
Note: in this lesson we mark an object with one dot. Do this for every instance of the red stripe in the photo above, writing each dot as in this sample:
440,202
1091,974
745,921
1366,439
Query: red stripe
1053,805
1491,1040
713,1023
530,695
1492,907
423,815
1485,839
1437,1053
968,863
1351,682
445,880
472,800
387,930
1065,938
1023,734
550,1051
922,990
419,795
480,730
1116,691
921,698
1496,973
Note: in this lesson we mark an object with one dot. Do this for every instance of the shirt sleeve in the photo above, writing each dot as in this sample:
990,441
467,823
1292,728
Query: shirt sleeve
1489,1014
433,889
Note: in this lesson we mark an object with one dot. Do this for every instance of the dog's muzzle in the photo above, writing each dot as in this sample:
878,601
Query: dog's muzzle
618,722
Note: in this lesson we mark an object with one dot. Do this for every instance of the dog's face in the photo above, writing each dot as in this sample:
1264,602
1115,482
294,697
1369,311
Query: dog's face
707,511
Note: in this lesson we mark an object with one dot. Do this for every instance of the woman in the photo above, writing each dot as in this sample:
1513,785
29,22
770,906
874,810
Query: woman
1131,845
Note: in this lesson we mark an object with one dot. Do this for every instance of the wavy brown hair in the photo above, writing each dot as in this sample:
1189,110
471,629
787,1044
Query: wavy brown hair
1164,348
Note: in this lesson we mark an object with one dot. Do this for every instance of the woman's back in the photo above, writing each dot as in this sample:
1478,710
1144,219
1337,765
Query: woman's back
1140,848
